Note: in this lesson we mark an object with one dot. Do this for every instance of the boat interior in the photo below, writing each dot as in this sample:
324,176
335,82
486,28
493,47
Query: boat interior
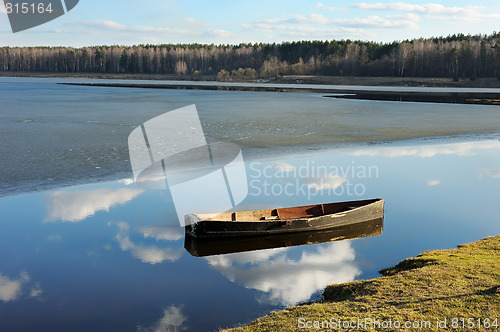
298,212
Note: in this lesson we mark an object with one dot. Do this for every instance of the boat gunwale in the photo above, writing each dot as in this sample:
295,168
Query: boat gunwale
366,202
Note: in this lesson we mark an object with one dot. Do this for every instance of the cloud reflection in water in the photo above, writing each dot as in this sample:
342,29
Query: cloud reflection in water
12,289
149,254
286,280
172,318
79,205
425,151
325,182
168,233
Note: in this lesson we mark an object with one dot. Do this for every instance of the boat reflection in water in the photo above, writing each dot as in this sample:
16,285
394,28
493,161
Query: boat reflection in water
201,247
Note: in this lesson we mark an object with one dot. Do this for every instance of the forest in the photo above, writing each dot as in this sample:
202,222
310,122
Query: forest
456,56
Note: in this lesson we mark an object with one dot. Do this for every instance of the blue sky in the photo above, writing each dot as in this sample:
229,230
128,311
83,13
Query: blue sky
127,22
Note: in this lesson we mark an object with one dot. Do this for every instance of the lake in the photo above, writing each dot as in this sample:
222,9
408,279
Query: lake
83,247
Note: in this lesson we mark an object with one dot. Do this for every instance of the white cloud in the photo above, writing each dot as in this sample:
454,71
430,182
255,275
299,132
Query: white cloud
466,17
304,31
147,254
218,33
173,320
429,8
258,27
192,28
291,19
438,9
378,22
322,6
405,17
286,280
79,205
102,24
432,183
334,8
192,22
491,172
495,174
395,6
427,151
320,26
311,19
432,10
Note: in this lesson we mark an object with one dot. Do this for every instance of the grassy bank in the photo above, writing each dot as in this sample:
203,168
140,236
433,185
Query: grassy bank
459,283
291,79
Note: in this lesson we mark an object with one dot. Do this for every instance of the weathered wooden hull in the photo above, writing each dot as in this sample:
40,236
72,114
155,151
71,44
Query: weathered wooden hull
201,247
333,215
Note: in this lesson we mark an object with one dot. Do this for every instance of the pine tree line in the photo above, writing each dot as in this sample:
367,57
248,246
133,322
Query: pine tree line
453,56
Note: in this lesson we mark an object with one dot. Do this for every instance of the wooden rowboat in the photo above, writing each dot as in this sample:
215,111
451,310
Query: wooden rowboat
283,220
201,247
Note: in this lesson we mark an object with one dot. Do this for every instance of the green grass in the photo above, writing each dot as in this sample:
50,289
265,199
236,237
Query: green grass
436,285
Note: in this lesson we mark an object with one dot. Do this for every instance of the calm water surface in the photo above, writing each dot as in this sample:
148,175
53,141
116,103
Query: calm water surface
110,256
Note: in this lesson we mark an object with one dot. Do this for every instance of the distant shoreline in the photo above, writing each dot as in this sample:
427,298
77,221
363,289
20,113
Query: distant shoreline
286,79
